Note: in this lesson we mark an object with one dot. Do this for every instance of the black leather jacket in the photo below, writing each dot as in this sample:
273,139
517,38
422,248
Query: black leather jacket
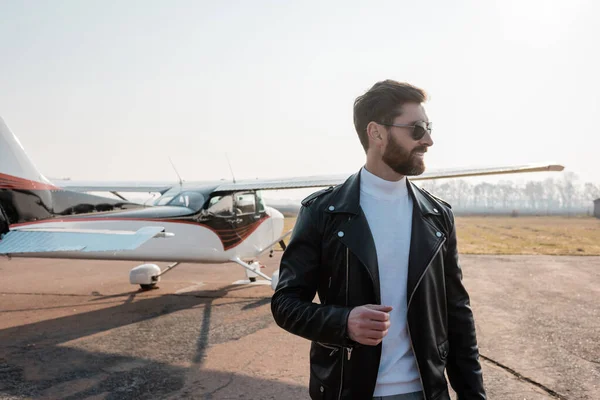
332,253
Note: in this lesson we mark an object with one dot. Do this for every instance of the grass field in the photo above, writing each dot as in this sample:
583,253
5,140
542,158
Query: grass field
524,235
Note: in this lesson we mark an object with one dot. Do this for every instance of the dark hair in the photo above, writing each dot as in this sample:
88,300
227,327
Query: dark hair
383,103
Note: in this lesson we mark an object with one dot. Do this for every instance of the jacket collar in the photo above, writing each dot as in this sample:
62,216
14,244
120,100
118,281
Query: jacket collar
347,198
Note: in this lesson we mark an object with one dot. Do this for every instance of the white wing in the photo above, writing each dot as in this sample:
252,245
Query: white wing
497,170
40,240
291,182
332,180
91,186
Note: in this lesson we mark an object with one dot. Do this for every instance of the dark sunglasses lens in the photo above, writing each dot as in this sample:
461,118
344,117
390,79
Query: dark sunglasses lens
418,132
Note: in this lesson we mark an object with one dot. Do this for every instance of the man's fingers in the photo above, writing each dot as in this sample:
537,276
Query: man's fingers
379,307
376,325
373,334
376,315
369,324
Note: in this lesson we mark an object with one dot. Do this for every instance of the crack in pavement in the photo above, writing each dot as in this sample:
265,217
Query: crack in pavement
208,396
523,378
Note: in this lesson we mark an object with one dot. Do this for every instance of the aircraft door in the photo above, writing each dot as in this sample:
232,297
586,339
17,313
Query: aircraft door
245,208
233,216
248,215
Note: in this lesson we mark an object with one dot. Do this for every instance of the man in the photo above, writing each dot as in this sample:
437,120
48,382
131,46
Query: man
381,253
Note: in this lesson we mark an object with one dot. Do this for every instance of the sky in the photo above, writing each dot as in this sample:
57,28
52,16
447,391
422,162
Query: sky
110,90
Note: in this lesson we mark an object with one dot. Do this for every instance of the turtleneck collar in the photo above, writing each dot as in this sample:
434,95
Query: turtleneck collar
377,187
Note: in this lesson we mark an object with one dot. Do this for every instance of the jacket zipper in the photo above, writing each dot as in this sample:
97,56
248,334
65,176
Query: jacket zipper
348,349
408,307
332,348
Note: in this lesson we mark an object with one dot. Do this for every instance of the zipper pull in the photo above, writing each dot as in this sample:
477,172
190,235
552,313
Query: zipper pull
349,352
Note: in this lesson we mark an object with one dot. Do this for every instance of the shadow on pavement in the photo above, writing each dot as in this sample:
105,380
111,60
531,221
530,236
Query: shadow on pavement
36,363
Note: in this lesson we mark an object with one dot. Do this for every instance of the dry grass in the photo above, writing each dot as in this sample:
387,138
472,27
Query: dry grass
529,235
524,235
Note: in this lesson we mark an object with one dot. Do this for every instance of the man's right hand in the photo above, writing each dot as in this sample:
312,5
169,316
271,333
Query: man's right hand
369,324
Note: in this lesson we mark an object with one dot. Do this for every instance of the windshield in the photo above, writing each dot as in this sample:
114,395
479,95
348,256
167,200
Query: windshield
163,200
192,200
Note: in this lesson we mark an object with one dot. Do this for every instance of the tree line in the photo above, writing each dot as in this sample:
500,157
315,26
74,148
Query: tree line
553,196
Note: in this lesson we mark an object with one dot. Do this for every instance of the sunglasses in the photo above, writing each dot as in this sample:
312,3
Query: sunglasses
418,129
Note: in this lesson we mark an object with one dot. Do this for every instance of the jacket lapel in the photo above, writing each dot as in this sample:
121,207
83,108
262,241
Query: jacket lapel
426,237
359,240
355,232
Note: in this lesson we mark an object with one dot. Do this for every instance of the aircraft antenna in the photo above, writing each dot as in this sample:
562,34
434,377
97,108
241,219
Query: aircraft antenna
180,180
231,169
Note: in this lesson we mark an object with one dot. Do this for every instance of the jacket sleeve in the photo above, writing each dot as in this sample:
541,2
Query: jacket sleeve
292,304
463,366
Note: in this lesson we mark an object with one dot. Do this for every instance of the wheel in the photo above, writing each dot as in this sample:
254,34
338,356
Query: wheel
148,287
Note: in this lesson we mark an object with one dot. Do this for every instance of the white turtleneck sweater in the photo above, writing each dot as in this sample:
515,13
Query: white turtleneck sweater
388,208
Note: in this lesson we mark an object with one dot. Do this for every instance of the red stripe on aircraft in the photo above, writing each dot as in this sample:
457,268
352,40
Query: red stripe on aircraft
15,183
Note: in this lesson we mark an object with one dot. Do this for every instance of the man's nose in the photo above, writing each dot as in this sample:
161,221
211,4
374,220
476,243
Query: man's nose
426,140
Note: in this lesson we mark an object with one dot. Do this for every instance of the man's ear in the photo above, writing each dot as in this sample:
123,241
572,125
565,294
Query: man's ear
374,131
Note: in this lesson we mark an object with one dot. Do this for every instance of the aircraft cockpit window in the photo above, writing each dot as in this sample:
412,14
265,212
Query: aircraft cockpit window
221,206
245,203
163,200
192,200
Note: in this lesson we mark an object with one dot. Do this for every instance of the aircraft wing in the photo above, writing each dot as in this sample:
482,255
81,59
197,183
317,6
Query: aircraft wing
293,182
497,170
40,240
90,186
332,180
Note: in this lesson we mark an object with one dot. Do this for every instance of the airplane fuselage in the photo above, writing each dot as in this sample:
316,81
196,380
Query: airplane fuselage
206,226
212,240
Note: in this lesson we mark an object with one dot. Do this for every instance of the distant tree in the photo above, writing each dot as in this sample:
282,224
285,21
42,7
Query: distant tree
567,190
444,191
506,191
591,191
531,190
551,194
483,193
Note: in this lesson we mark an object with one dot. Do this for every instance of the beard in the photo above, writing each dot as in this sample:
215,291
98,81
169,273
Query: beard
402,161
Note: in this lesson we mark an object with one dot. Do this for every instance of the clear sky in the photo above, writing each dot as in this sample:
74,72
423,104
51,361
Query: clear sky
109,90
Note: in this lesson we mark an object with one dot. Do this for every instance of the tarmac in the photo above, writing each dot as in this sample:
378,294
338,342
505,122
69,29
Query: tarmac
79,330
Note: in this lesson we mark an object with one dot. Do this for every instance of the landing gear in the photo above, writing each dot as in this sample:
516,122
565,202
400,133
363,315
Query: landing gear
148,287
251,274
283,247
148,275
253,271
